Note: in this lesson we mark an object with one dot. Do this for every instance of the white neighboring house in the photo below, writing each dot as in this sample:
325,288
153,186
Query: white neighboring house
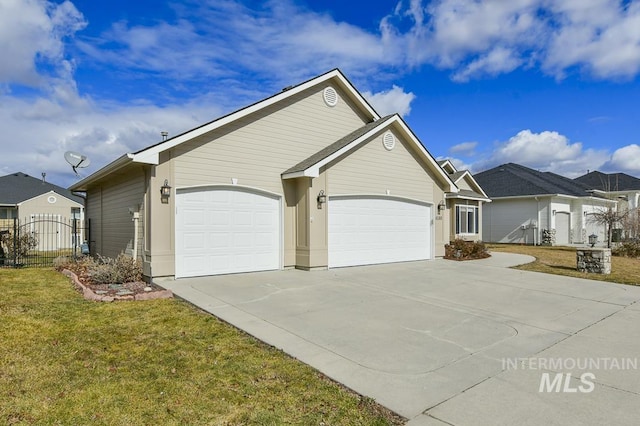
620,187
532,207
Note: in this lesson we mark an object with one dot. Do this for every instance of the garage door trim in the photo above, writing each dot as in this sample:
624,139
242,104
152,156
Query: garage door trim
241,188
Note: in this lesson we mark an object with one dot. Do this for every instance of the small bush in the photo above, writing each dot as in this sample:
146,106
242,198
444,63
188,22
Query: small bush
122,269
465,250
102,269
627,249
22,245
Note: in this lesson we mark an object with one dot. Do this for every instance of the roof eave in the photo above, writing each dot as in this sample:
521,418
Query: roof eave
150,154
114,166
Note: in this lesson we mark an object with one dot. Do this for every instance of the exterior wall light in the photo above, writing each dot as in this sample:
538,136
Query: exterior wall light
441,206
593,239
322,198
165,190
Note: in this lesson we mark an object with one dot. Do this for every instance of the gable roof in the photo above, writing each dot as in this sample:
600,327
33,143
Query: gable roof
609,181
480,194
448,166
151,154
311,166
514,180
18,187
332,149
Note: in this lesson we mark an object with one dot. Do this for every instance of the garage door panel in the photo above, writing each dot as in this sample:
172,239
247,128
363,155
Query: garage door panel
377,230
222,231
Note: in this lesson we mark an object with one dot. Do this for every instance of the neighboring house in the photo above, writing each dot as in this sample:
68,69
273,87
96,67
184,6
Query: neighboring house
532,207
311,177
620,187
465,206
42,209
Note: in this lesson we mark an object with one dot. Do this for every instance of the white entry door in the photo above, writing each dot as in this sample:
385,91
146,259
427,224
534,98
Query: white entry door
226,230
370,230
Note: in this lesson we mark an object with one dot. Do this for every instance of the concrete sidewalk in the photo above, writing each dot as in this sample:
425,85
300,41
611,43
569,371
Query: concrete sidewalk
433,340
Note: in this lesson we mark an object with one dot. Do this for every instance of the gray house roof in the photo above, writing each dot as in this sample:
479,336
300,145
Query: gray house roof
18,187
513,180
609,181
336,146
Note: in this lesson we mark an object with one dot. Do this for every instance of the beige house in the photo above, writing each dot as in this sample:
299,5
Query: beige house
43,209
311,177
465,206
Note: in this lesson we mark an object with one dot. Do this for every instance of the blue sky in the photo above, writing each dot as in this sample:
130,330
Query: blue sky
549,84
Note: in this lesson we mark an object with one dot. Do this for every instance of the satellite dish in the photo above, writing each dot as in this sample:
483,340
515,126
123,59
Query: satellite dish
76,160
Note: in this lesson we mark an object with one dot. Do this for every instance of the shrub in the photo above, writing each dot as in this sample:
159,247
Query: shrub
102,269
22,245
465,250
122,269
627,249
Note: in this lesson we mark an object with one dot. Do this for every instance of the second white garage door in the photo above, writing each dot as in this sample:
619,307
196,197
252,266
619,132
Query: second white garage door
370,230
226,230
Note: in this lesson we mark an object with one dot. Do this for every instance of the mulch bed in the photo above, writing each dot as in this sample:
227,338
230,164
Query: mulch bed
137,290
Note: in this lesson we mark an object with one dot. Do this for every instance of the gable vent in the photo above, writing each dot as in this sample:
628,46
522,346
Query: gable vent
389,141
330,96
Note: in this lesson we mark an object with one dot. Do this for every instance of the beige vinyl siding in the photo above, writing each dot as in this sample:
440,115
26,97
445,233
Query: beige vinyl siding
258,148
371,169
39,205
111,223
463,184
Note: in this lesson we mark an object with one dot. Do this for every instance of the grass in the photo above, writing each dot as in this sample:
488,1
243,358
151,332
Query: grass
64,360
562,261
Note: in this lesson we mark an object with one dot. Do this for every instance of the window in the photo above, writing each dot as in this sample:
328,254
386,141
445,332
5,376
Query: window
467,220
8,213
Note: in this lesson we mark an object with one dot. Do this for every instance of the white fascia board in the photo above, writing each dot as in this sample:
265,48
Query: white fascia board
150,154
412,138
448,162
602,200
478,187
109,168
457,196
314,170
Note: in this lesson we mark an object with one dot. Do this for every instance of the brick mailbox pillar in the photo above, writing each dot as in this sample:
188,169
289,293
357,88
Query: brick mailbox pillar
594,260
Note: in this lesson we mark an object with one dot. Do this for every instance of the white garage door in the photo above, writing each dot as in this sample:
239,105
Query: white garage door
222,231
369,230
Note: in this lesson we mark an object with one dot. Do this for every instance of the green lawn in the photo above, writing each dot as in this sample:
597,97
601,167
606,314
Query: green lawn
64,360
562,261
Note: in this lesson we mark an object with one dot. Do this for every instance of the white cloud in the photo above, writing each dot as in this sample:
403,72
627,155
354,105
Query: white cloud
547,151
625,159
32,34
467,148
485,38
391,101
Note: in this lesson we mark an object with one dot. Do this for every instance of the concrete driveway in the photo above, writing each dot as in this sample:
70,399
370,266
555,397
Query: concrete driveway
442,342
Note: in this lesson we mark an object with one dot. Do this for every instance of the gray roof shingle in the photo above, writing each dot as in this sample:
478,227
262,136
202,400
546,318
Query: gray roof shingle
18,187
336,146
609,181
512,180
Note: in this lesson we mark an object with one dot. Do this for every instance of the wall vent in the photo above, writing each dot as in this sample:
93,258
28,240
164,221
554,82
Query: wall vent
330,96
389,141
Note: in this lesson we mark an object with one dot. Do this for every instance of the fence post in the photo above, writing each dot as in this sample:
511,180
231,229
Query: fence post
74,237
15,242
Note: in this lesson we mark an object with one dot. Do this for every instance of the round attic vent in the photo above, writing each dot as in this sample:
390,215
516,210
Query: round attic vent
52,199
330,96
389,141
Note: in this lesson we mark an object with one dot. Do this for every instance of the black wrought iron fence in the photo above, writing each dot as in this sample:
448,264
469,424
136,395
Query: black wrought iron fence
38,240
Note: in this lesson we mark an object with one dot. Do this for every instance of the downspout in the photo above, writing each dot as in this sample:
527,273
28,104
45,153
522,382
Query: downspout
537,226
136,218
